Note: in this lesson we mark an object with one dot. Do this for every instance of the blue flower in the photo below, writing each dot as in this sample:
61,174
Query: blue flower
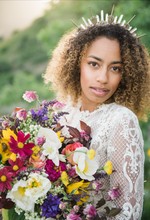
50,207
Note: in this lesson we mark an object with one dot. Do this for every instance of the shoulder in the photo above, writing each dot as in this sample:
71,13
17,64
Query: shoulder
120,112
125,122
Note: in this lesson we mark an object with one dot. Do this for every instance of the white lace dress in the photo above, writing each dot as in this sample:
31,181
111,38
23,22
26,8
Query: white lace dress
116,136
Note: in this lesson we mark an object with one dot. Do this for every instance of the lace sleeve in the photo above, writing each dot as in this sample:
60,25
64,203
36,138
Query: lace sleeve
126,153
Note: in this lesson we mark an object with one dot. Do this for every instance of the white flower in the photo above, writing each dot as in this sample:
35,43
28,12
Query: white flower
51,151
51,145
25,193
85,167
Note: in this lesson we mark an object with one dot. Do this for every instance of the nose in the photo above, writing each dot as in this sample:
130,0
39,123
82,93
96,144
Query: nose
102,75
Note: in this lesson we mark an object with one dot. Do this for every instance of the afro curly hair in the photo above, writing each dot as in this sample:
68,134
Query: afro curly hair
134,88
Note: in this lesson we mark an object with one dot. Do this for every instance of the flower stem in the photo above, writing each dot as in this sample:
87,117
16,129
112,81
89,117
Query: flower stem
75,152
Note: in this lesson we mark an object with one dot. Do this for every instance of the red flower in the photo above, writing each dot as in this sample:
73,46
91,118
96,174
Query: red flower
5,179
16,166
18,147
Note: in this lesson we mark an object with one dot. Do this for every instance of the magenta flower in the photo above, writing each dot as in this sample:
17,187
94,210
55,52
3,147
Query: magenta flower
73,216
21,114
5,179
16,166
29,96
112,194
53,171
90,212
19,146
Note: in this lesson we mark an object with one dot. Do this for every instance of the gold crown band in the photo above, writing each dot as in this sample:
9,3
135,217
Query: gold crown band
109,19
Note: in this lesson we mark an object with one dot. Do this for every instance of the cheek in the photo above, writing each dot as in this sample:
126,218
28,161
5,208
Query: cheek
116,81
84,78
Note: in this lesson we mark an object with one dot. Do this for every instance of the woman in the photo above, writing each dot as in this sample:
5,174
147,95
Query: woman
101,71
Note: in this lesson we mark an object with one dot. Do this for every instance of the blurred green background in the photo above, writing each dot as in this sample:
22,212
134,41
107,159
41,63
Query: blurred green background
24,56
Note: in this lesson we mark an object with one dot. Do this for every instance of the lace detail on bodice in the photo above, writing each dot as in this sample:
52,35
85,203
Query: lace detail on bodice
116,136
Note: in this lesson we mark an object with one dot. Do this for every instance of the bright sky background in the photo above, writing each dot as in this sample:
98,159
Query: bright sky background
17,15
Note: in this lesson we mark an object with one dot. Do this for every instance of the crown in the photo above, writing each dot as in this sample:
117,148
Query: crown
104,20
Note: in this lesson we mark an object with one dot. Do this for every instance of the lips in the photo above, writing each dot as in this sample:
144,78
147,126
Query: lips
99,91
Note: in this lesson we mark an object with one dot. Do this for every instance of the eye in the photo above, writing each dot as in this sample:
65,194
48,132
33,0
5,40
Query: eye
116,69
93,64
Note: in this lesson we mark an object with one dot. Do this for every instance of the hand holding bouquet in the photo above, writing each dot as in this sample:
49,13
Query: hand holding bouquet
45,174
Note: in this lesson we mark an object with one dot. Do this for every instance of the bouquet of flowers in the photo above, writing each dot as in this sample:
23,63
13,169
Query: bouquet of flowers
46,169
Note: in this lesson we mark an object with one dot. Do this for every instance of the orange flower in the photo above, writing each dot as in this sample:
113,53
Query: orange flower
70,148
38,163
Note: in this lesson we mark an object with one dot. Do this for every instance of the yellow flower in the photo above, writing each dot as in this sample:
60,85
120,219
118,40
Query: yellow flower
64,178
77,186
91,154
4,145
108,167
60,138
148,152
35,151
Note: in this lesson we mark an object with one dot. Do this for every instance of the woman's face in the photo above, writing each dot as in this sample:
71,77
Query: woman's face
100,72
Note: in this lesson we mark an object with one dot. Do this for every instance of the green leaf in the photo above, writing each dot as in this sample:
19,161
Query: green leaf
100,203
72,192
100,218
0,157
114,211
107,209
10,214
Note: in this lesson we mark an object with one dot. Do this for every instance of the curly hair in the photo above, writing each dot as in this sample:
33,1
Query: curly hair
134,88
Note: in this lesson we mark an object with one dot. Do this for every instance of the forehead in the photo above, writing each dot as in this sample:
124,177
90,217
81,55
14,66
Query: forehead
104,48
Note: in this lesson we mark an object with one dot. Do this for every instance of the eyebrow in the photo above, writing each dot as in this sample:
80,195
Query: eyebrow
99,59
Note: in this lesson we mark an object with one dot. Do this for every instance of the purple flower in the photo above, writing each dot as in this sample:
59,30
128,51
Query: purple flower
73,216
112,194
50,207
53,171
90,212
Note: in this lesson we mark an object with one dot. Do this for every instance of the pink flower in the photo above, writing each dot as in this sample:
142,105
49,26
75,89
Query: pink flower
62,205
76,208
19,146
58,106
54,171
112,194
6,124
29,96
97,185
16,166
72,172
70,148
90,212
21,114
84,135
5,179
73,216
40,140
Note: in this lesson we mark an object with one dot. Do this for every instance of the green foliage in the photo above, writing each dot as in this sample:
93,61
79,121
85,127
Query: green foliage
11,214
